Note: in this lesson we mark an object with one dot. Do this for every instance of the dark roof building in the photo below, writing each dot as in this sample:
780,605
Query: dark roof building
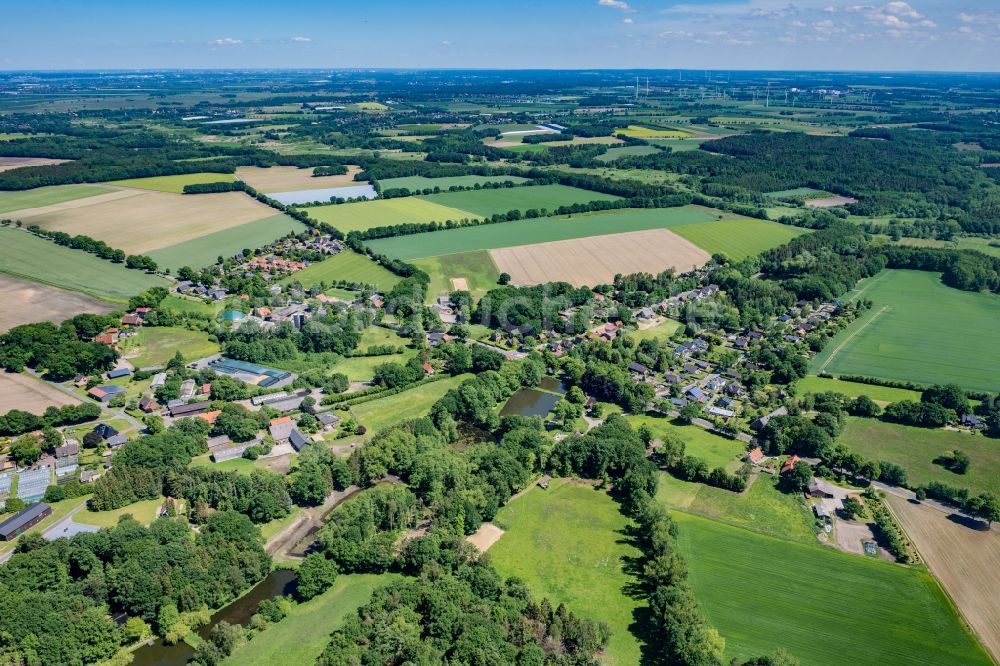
297,439
120,372
24,519
191,409
105,431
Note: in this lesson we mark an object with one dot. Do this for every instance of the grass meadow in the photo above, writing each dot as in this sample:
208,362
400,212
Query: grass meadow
157,345
174,184
823,606
739,237
32,258
568,543
919,330
416,402
916,448
661,331
143,511
483,203
642,132
347,265
716,451
542,230
47,196
880,394
619,152
414,183
384,213
201,252
477,268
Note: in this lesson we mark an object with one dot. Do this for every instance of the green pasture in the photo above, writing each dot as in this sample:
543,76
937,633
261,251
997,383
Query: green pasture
347,265
880,394
916,448
379,414
300,638
959,243
739,237
918,330
541,230
626,151
825,607
143,511
415,183
660,332
31,258
716,451
483,203
476,267
642,132
569,544
386,213
157,345
796,193
203,251
47,196
362,368
174,184
183,304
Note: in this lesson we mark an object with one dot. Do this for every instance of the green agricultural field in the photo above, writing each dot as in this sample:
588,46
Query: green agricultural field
362,368
919,330
203,251
640,132
527,232
739,237
983,245
299,639
416,402
568,544
716,451
796,193
174,184
31,258
47,196
825,607
762,508
144,512
415,183
347,265
881,394
681,145
626,151
483,203
477,268
154,346
916,448
379,335
385,213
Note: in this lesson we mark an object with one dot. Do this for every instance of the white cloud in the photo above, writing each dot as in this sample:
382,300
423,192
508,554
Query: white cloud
901,8
676,34
446,43
225,41
627,21
616,4
301,40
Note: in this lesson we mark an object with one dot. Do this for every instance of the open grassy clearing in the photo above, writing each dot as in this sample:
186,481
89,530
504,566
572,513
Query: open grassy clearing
174,184
290,178
738,238
568,544
626,151
26,302
143,511
662,331
543,230
916,448
347,265
919,330
823,606
19,390
152,346
880,394
642,132
477,268
46,196
384,213
299,639
716,451
596,260
183,304
762,508
414,183
150,221
960,243
379,414
795,193
965,560
484,203
39,260
203,251
362,368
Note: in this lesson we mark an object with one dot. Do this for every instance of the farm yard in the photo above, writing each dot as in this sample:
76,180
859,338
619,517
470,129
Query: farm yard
568,543
596,260
25,392
738,237
483,203
916,448
46,196
39,260
154,346
965,558
543,230
384,212
173,184
919,330
289,178
26,302
347,265
153,220
823,606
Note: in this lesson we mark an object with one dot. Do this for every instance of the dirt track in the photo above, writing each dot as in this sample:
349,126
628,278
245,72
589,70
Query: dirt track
966,561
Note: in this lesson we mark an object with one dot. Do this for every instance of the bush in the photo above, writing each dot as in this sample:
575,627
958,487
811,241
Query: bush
315,575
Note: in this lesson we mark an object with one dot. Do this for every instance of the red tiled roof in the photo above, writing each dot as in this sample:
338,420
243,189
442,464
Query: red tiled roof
281,419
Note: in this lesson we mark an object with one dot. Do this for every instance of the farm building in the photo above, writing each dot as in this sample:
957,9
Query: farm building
104,393
159,379
119,372
281,429
756,456
328,418
31,484
192,409
758,424
297,439
789,464
24,519
218,442
251,373
232,452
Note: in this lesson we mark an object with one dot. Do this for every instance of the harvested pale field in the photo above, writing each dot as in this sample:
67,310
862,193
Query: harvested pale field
597,259
9,163
965,560
29,394
289,178
829,202
108,196
27,302
487,535
149,221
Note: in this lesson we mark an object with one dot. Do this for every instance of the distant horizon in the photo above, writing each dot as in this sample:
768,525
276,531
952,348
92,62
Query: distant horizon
346,68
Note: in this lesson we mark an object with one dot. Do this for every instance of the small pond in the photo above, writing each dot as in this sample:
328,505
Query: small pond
534,401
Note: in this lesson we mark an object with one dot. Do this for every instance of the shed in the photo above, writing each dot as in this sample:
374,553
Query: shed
119,372
297,439
192,409
24,519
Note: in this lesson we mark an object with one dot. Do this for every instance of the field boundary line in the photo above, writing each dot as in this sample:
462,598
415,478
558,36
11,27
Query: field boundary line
839,348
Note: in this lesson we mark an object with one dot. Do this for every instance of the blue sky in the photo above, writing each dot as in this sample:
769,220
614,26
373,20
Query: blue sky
715,34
